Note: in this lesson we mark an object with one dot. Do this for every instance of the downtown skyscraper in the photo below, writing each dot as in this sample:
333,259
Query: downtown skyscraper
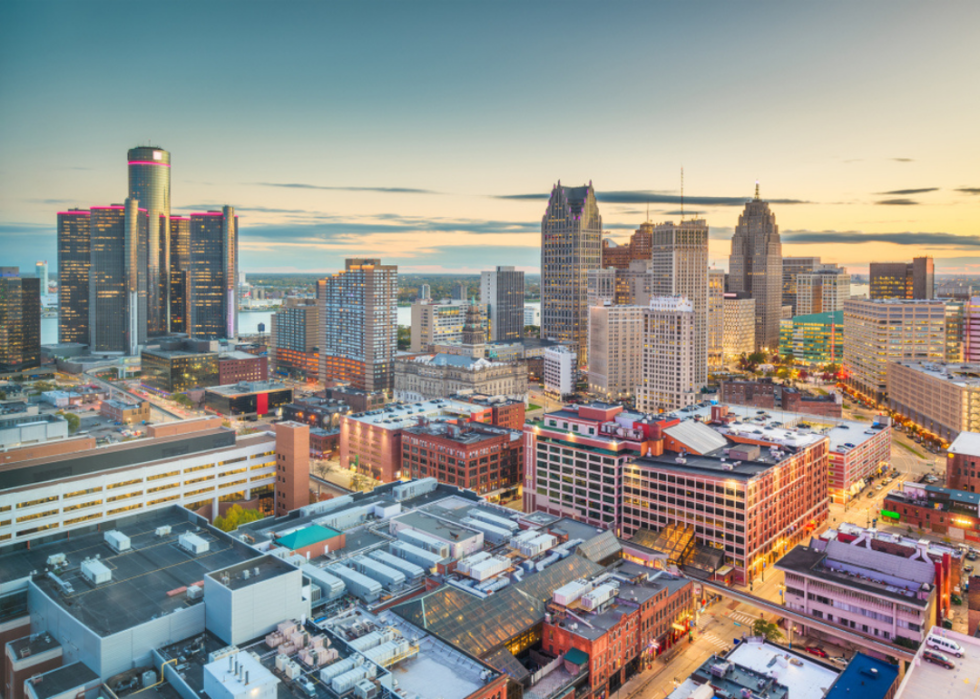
149,184
571,245
74,266
756,267
20,321
212,279
502,292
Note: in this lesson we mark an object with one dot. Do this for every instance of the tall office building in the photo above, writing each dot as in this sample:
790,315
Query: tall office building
41,269
20,321
213,280
149,184
502,292
180,268
739,330
571,245
117,289
358,325
679,267
615,351
716,318
639,247
822,291
74,263
903,280
295,333
669,365
792,267
756,267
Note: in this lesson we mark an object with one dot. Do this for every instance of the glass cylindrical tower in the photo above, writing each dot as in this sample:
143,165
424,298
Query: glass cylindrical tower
149,182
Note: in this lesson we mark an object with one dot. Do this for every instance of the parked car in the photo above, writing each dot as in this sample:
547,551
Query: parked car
971,556
870,494
968,569
814,650
937,658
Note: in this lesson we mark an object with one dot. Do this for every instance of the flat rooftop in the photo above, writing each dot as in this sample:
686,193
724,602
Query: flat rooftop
62,679
175,353
465,435
245,388
924,679
396,416
257,570
958,374
967,443
437,527
121,404
141,576
806,678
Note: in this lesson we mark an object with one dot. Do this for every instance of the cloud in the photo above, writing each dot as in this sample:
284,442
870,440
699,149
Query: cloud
651,197
383,190
902,192
903,160
969,190
905,238
52,202
897,202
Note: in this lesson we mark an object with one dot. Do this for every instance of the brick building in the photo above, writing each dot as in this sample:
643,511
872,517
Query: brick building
963,462
766,393
124,412
236,366
504,412
359,401
292,466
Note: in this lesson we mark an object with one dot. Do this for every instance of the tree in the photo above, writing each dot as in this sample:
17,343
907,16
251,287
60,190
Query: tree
532,331
404,337
361,481
182,399
74,422
757,357
235,517
766,629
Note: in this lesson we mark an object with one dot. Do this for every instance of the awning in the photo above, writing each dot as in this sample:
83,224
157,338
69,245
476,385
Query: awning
724,570
576,656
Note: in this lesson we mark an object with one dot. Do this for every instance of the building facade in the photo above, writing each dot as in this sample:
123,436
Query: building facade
813,339
560,370
213,280
738,334
756,267
615,351
248,398
941,399
716,319
502,293
571,242
669,379
74,264
149,184
424,376
903,280
20,321
237,366
435,323
175,371
822,291
793,266
180,270
295,330
358,325
963,462
883,331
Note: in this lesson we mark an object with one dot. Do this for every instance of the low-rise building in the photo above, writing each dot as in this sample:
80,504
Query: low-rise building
128,413
817,338
178,370
766,393
317,411
940,511
236,366
504,412
22,427
360,401
942,400
248,398
963,462
424,376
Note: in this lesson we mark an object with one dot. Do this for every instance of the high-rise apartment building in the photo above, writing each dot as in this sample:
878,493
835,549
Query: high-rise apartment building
880,331
180,269
756,267
679,267
792,266
212,296
358,325
149,184
738,336
41,269
971,330
20,321
117,288
571,245
822,290
439,323
716,318
669,368
615,351
903,280
74,264
560,370
295,332
502,292
425,292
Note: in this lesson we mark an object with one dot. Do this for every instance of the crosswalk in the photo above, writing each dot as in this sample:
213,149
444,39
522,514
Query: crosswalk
715,641
742,618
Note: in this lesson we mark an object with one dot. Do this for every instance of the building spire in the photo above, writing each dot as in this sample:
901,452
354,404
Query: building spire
757,190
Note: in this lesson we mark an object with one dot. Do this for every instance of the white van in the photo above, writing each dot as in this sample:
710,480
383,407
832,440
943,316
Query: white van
945,645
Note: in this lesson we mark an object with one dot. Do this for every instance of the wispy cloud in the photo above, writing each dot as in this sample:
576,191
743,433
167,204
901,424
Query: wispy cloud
51,202
383,190
651,197
903,160
903,192
897,202
904,238
969,190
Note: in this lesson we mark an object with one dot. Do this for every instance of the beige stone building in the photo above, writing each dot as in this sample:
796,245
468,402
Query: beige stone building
426,376
669,378
716,318
822,291
615,351
738,332
943,399
435,323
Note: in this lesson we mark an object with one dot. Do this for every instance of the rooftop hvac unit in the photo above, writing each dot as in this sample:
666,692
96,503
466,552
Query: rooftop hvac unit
57,559
192,543
491,532
411,571
96,572
338,668
195,592
222,653
389,577
366,689
599,596
117,541
508,524
164,530
423,540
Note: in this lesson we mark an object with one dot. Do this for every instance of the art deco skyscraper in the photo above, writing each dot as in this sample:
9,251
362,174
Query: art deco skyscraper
74,264
20,321
149,183
502,292
756,267
212,296
358,325
571,245
679,267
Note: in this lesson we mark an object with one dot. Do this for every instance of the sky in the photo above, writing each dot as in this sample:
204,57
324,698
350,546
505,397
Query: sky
430,134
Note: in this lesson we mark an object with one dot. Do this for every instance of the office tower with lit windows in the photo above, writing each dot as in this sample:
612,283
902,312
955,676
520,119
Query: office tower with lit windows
20,321
822,291
615,351
679,267
180,266
212,296
903,280
358,325
295,332
669,366
793,266
149,184
716,318
502,292
117,288
571,245
756,266
738,335
41,269
74,264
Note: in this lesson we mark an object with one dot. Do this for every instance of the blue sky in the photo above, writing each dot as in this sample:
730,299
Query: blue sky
414,131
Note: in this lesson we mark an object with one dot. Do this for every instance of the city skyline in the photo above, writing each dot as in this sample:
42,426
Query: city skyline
843,133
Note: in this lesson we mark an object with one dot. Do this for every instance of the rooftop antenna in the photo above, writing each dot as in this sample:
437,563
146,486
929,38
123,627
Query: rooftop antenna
682,192
757,190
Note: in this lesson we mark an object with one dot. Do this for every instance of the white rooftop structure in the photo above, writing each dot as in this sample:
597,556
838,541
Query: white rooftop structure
697,436
924,679
967,443
805,678
396,416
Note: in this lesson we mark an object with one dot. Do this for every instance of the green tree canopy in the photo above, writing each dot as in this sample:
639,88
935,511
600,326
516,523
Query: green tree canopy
74,422
235,517
766,629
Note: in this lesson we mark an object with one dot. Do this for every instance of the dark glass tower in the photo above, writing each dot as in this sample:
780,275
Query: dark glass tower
117,289
180,263
149,184
20,321
74,264
213,281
